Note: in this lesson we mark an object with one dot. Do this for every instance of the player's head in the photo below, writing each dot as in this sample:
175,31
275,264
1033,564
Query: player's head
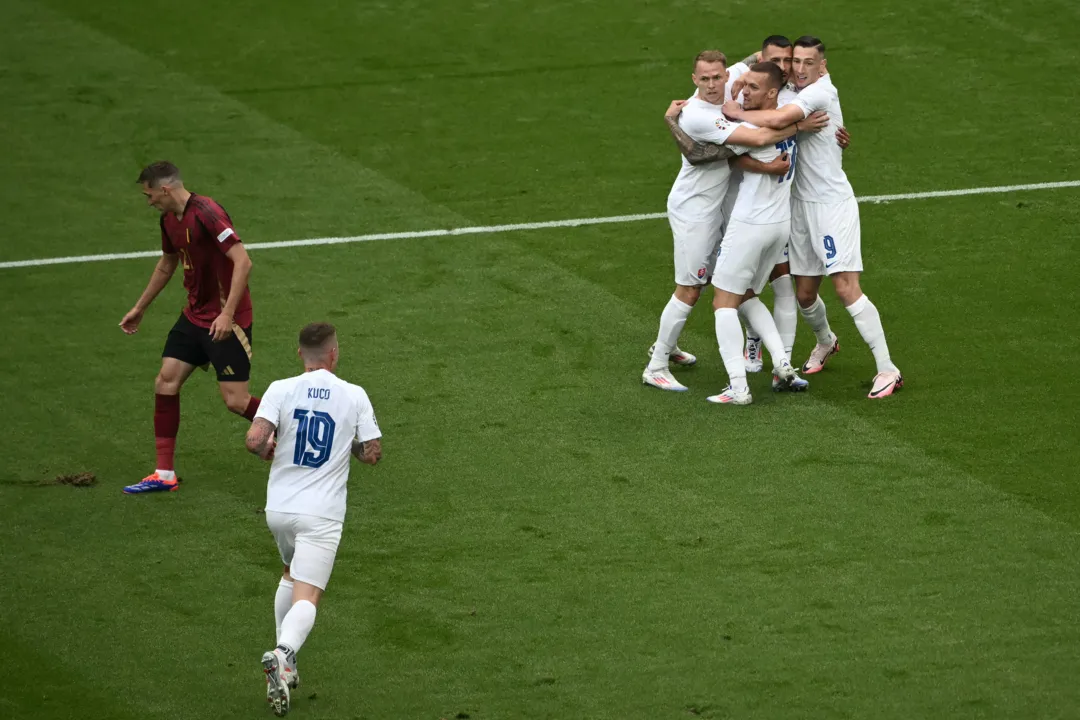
710,76
808,64
777,49
162,186
319,346
762,86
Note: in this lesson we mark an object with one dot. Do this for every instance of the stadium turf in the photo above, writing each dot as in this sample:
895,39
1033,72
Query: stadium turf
545,537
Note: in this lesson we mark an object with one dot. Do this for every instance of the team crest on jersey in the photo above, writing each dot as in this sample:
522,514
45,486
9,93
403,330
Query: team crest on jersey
702,271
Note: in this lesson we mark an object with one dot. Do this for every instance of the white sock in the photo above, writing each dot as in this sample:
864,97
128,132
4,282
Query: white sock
818,321
756,314
296,625
166,474
868,321
730,339
672,321
282,603
785,313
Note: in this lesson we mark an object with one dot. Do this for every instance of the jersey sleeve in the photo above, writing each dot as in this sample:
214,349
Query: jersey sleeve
166,244
710,127
812,99
217,222
270,405
735,72
367,427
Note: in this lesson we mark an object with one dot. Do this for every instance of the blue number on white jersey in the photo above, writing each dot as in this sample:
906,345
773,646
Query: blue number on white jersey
792,149
314,437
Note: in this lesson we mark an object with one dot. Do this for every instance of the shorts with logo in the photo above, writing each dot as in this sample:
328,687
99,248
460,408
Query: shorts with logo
308,545
192,344
826,238
748,255
695,249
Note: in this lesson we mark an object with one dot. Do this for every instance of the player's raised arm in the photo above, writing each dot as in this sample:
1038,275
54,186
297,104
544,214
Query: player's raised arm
695,152
163,272
776,119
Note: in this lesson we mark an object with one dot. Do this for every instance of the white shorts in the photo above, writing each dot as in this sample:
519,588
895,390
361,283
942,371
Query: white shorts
748,255
308,545
825,238
695,249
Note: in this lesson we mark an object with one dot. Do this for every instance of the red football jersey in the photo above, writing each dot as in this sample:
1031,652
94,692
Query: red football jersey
202,238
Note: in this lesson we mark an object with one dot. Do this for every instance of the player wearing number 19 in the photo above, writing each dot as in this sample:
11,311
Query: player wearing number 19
320,420
215,326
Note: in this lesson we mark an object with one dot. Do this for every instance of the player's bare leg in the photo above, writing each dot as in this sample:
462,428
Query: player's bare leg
238,399
172,376
868,322
812,308
666,349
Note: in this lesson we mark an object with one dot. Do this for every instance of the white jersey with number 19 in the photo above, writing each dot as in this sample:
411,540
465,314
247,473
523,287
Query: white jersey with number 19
317,416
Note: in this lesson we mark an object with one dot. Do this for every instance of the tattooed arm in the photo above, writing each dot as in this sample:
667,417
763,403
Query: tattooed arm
697,153
260,438
369,451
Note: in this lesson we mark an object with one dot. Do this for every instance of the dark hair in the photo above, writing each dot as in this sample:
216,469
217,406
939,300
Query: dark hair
776,75
315,335
809,41
776,41
156,173
710,56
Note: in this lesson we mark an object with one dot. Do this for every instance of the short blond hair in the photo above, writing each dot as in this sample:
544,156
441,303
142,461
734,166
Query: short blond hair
710,56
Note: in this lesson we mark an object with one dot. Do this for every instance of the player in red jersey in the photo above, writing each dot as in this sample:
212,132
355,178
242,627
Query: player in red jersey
214,327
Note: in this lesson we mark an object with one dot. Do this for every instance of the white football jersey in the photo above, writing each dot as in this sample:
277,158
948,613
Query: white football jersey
765,199
820,175
786,95
317,416
699,190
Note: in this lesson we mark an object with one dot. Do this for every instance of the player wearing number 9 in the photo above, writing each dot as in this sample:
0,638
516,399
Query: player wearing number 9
321,421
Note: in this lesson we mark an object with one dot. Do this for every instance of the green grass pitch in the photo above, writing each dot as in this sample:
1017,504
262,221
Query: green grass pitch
545,538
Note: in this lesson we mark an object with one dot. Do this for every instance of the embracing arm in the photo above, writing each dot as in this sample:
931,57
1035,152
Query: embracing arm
260,438
780,166
696,153
367,451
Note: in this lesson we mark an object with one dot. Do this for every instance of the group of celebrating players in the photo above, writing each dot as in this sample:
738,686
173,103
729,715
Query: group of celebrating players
762,196
308,426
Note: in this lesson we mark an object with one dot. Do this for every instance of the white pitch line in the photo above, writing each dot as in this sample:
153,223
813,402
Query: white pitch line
487,229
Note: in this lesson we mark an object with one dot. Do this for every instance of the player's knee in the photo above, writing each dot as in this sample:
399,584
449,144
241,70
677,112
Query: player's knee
847,289
688,294
237,403
165,384
805,297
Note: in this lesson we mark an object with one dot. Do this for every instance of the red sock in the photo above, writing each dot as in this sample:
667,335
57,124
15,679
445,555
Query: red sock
166,425
252,408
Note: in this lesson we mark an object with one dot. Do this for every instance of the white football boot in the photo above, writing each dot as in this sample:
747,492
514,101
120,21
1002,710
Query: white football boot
729,396
662,379
277,688
885,384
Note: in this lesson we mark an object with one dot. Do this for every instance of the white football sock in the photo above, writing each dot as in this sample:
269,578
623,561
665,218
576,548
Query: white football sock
784,312
818,321
868,321
730,339
166,474
755,313
296,625
282,603
672,321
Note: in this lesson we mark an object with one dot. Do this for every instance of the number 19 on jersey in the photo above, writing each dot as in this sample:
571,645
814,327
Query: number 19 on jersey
314,437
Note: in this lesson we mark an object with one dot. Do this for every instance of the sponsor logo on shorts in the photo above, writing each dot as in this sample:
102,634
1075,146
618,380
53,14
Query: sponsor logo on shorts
702,272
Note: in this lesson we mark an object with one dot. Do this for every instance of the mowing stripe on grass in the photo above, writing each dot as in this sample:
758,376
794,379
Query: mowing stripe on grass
486,229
